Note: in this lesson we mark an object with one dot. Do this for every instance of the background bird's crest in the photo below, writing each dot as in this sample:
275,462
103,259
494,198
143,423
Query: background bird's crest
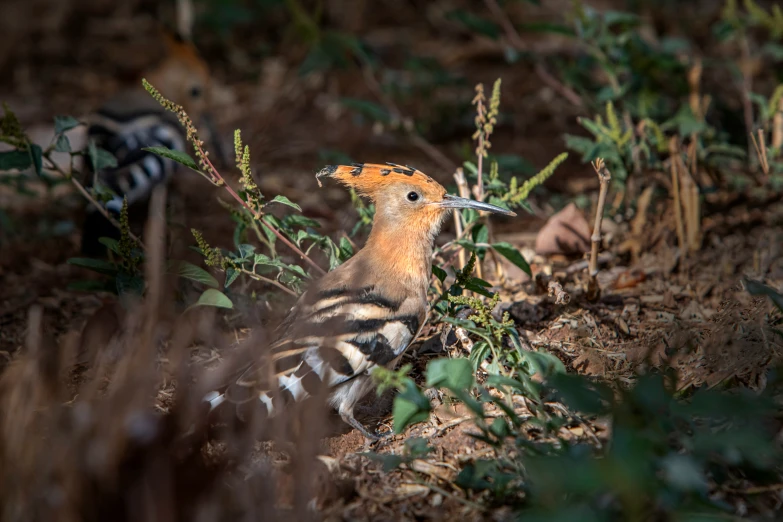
183,76
369,179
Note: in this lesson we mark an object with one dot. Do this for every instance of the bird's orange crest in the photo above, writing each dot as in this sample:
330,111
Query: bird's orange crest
369,179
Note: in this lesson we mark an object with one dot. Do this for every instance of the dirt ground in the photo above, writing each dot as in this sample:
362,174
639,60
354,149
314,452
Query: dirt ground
657,308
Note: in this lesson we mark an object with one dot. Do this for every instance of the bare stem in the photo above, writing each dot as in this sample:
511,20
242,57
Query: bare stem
761,150
747,88
674,155
480,167
604,177
777,127
253,275
257,216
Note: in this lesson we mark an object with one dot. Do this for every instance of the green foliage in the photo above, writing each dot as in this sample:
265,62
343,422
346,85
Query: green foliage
410,405
123,266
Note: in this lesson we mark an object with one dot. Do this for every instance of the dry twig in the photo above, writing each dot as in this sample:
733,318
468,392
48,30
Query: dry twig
674,153
761,150
777,127
604,177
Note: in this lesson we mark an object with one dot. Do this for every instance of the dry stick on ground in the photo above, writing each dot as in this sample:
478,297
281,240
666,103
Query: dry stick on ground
694,78
592,290
604,177
519,45
689,194
673,155
761,151
746,69
777,127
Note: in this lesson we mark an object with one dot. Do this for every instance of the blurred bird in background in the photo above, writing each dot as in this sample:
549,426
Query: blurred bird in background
133,120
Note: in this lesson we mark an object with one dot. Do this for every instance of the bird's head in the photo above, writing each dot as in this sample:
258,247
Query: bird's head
404,197
183,77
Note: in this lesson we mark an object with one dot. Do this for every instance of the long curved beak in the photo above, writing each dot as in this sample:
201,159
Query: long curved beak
450,201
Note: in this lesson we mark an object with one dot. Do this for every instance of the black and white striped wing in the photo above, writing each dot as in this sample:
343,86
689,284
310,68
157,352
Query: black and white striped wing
124,130
329,339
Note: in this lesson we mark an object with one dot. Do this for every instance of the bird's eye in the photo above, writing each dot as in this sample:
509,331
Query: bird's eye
195,92
413,196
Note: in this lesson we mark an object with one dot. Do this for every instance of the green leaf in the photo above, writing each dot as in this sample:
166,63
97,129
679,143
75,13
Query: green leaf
62,144
773,50
110,243
439,273
512,254
297,220
546,27
65,123
245,251
480,233
370,110
757,288
212,297
15,160
285,201
231,276
37,155
93,286
100,158
193,272
473,287
474,23
410,406
454,374
129,284
96,265
389,461
174,155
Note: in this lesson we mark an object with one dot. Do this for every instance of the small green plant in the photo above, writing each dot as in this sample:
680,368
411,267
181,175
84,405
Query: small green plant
123,270
254,223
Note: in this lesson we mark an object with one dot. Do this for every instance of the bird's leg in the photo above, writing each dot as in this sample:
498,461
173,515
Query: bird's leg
349,419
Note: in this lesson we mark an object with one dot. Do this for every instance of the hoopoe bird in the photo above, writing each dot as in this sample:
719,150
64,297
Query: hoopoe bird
364,313
132,120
